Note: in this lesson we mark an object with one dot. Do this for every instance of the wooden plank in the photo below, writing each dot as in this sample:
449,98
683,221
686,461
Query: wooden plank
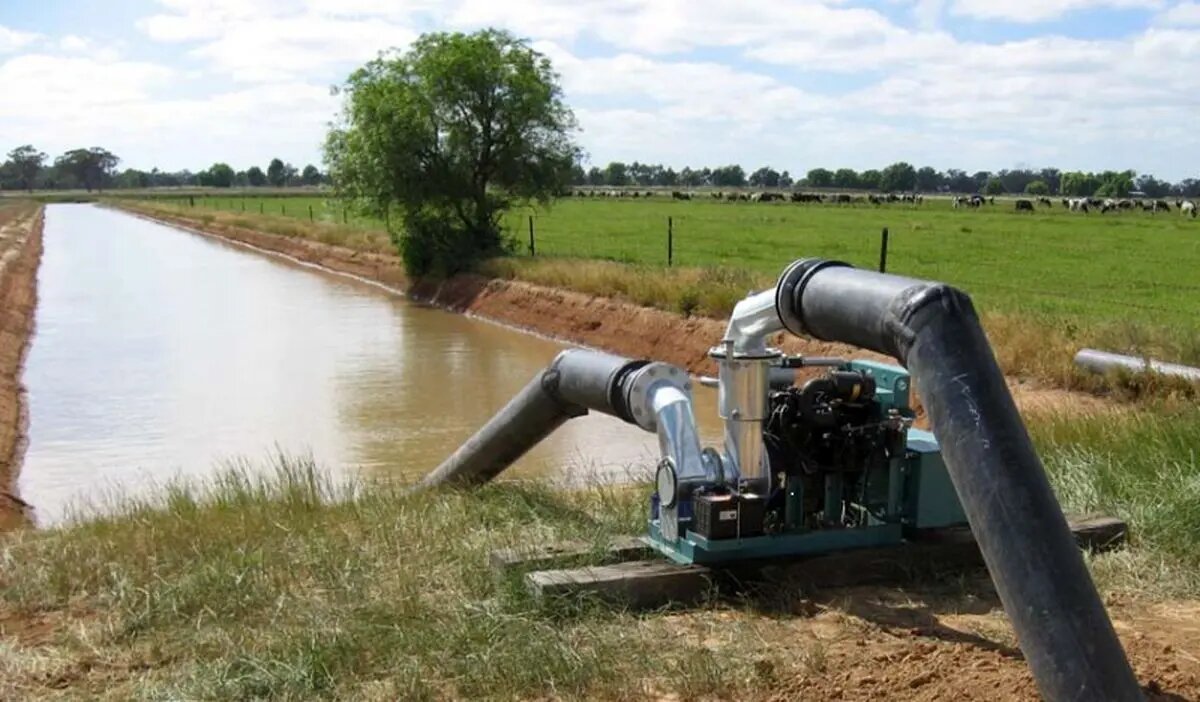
543,556
639,584
657,582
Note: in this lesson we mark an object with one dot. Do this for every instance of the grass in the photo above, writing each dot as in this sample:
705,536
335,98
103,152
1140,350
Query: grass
278,584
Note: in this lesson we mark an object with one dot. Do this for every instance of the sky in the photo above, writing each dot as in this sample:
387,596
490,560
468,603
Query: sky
793,84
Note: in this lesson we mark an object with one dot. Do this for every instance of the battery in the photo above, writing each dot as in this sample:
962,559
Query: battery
728,516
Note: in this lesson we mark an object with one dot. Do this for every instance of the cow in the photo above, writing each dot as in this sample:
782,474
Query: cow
1045,201
676,195
1187,207
1024,206
1161,206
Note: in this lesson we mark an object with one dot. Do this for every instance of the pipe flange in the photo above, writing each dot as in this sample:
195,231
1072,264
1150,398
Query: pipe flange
791,285
637,397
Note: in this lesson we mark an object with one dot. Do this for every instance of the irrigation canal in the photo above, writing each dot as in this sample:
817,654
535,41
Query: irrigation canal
160,355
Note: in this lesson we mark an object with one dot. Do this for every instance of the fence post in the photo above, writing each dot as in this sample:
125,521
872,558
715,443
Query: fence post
532,247
260,207
310,217
670,242
883,246
283,208
191,200
243,204
387,219
344,219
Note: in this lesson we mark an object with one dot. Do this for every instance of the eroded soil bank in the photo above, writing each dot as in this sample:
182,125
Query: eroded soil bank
600,322
20,252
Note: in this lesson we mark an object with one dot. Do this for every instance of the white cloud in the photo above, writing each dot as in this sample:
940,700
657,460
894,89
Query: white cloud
11,40
1183,14
270,40
74,43
1030,11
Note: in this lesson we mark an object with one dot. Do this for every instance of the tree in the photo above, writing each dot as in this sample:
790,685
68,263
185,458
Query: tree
928,179
616,174
1115,184
898,177
240,180
275,173
90,168
959,182
1153,187
819,178
1037,187
311,176
1079,184
453,132
731,176
993,186
1052,177
845,178
27,163
595,176
765,177
870,180
785,180
220,175
256,177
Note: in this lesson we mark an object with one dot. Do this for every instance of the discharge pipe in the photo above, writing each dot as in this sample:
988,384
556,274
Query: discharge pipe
1103,362
1038,570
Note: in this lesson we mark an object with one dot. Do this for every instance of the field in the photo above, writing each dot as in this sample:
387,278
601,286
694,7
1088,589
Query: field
1054,262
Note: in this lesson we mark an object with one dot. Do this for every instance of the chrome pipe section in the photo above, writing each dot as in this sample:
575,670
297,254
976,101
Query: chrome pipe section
1038,570
1103,362
753,320
744,380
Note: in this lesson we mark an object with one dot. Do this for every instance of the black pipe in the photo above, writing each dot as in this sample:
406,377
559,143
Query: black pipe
576,381
1038,570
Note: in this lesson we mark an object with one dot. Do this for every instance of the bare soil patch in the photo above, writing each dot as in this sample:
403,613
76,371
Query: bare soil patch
20,253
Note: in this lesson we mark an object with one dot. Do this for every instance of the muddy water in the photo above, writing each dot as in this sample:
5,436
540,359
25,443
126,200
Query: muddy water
161,354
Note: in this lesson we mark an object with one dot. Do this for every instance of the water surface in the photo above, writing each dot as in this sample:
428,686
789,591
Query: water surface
160,354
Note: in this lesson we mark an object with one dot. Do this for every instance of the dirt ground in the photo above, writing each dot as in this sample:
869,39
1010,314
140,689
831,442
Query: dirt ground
20,252
604,323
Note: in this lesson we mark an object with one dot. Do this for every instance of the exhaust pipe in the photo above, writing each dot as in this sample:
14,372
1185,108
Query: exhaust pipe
933,330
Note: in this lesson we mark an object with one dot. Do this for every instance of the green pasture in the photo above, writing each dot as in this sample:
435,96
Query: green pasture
1131,266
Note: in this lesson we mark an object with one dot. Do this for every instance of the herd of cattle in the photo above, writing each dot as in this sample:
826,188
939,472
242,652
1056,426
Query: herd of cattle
763,196
1086,204
1078,204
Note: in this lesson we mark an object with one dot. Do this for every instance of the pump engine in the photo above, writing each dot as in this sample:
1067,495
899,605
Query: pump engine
842,467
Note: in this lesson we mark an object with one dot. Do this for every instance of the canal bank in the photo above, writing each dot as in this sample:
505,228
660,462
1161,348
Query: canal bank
20,252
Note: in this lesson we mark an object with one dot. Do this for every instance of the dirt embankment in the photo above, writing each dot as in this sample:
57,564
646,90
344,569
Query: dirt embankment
20,253
599,322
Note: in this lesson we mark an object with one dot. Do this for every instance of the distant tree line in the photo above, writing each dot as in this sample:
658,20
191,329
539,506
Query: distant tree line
898,177
27,168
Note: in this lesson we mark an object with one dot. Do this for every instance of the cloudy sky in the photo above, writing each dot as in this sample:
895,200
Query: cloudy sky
974,84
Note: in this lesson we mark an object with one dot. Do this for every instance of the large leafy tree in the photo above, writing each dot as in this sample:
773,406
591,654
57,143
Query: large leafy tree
255,176
452,132
27,163
898,177
276,173
221,175
90,168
